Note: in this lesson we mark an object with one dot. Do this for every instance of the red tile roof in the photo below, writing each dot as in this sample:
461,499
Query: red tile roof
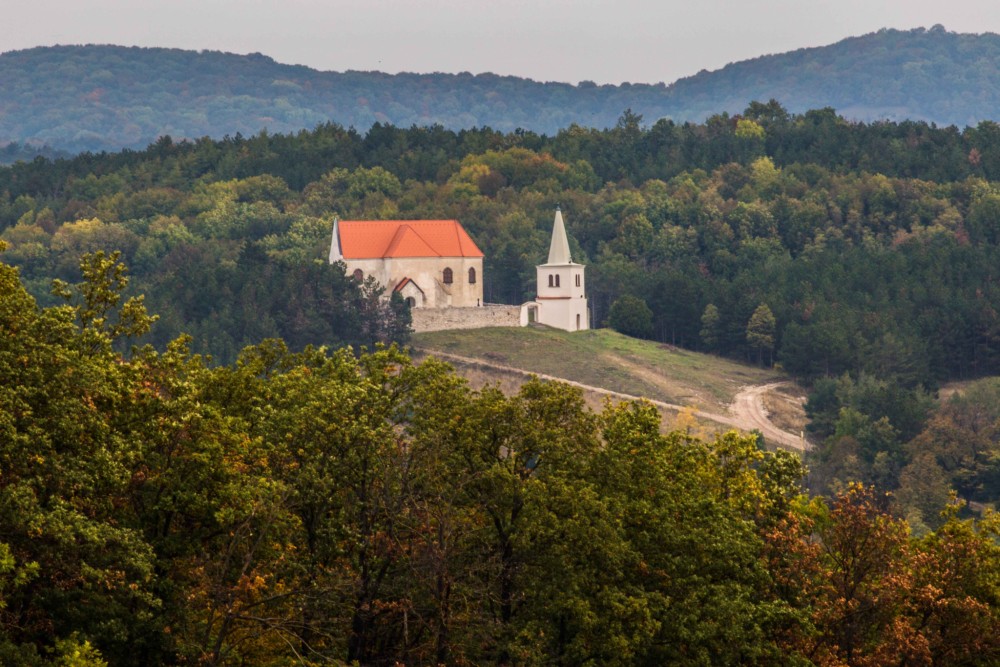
371,239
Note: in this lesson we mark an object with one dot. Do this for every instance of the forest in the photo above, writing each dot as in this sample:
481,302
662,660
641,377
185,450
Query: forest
865,254
324,507
102,97
859,257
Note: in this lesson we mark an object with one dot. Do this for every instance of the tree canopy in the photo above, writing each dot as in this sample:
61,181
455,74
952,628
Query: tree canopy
321,507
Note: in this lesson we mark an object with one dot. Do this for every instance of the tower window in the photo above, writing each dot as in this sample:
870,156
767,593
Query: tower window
472,276
447,276
551,281
557,281
578,280
359,275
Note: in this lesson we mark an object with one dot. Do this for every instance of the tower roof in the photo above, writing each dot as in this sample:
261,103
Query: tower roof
376,239
559,247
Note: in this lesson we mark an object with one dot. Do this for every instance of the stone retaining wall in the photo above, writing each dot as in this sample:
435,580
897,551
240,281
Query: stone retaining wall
487,315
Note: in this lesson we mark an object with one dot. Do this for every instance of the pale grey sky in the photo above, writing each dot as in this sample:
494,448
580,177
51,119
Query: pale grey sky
607,41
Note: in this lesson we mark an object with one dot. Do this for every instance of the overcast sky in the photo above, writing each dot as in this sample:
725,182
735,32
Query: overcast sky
607,41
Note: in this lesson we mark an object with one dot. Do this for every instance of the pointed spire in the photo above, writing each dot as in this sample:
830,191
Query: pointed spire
335,253
559,248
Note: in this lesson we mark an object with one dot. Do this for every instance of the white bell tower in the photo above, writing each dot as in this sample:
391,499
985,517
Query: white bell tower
562,295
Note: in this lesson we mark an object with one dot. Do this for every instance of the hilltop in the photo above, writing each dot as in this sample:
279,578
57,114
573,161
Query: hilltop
926,75
98,98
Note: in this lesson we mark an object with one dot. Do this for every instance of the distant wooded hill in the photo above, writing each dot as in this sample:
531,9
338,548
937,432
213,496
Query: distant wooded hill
78,98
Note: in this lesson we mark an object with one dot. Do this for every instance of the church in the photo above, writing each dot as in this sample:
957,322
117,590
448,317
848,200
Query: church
438,269
430,263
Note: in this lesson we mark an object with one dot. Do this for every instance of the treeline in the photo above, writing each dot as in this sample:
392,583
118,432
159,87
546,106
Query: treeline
111,97
931,75
325,508
15,152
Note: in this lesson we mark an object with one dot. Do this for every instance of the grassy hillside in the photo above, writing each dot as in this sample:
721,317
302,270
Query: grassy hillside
108,97
604,358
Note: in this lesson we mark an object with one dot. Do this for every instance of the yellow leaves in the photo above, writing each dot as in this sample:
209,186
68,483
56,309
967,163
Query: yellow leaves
766,177
749,130
252,583
115,578
686,421
470,173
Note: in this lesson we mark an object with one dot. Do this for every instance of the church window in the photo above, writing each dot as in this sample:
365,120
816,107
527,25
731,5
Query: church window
578,280
557,281
447,276
472,276
359,275
551,281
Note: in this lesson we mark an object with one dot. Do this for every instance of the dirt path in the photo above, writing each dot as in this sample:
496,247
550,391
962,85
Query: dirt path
746,412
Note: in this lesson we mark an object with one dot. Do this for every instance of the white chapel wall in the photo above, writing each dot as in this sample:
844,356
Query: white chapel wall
428,274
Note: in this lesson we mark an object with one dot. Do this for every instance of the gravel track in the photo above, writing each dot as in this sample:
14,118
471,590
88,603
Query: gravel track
746,413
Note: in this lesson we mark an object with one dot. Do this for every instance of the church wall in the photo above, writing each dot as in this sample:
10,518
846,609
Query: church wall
564,313
490,315
562,305
428,274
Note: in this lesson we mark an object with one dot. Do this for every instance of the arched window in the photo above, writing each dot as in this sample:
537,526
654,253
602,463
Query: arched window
551,281
447,276
578,280
472,276
359,275
557,281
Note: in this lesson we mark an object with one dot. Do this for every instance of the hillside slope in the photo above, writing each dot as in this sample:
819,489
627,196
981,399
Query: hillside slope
685,385
604,358
108,97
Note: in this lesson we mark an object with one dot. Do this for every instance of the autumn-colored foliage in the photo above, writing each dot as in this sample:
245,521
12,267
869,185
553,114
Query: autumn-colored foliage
324,507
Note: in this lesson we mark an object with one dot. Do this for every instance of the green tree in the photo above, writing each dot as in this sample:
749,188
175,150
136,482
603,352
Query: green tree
72,562
711,327
631,316
760,332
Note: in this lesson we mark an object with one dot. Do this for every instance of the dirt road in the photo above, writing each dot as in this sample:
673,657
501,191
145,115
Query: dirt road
749,412
746,413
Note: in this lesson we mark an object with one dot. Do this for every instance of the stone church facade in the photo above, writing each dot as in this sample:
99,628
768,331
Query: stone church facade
438,269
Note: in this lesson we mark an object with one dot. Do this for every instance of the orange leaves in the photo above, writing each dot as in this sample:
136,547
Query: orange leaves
878,596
